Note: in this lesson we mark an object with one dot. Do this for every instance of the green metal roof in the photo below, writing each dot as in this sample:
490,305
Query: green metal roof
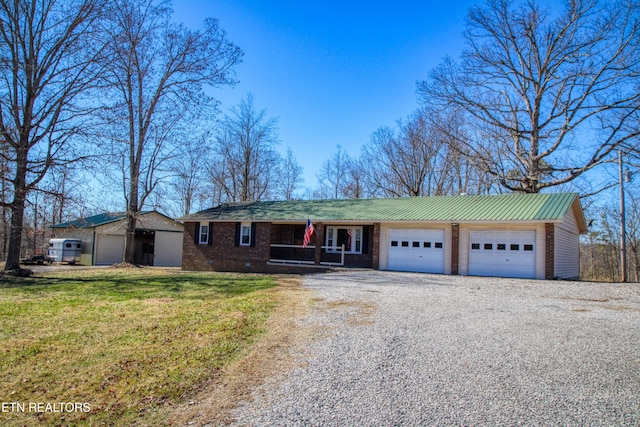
503,207
95,220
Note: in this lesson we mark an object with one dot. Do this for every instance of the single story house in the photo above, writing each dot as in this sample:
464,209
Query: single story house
158,238
511,235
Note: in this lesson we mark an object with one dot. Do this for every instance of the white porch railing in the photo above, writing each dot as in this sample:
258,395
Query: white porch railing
304,262
291,261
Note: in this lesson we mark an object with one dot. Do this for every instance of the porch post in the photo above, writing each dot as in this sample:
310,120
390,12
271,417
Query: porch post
319,227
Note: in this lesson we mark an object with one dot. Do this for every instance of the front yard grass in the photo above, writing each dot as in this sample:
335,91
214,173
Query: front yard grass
127,345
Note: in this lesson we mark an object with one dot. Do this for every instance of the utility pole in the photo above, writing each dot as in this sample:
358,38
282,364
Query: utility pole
623,239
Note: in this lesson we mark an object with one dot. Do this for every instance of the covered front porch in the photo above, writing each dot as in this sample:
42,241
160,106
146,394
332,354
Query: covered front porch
331,245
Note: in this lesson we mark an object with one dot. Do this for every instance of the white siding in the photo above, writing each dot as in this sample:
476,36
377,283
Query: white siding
566,249
167,249
384,240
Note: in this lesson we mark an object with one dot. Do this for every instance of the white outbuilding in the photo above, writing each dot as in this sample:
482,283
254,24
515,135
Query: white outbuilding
158,238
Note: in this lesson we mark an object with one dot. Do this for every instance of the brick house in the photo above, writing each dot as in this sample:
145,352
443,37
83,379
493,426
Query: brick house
514,235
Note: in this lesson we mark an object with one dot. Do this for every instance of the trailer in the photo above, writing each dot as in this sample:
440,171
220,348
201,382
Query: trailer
64,250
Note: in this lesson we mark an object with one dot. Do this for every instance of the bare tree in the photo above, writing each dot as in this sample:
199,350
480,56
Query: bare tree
291,175
47,63
550,94
333,174
155,76
246,165
406,162
188,169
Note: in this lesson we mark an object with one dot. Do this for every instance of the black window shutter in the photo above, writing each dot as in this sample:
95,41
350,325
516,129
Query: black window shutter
253,234
365,239
210,242
196,237
237,242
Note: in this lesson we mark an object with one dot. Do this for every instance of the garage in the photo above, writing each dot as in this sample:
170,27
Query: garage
502,253
418,250
111,249
157,238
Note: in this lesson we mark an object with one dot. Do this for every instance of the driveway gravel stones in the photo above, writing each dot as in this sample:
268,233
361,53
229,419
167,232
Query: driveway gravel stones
402,349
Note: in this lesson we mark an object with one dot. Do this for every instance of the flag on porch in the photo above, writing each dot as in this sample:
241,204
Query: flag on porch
308,232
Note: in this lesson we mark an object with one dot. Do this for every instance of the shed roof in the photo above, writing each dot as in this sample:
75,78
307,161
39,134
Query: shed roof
96,220
471,208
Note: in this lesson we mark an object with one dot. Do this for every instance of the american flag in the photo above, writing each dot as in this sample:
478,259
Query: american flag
349,235
308,232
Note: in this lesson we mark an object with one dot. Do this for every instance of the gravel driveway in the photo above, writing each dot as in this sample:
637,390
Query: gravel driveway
415,349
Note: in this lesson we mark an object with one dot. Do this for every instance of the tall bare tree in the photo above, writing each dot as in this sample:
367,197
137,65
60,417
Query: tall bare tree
246,165
290,176
333,175
550,93
156,71
47,63
406,162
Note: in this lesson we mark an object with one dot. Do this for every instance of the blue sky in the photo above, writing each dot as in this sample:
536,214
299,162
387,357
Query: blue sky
333,71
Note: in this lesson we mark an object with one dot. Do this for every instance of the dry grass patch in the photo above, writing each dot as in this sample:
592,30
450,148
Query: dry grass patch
131,344
271,355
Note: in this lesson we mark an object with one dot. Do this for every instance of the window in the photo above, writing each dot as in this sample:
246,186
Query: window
528,247
426,245
501,247
405,244
245,234
416,244
438,245
67,245
350,237
204,235
394,243
475,246
515,247
488,246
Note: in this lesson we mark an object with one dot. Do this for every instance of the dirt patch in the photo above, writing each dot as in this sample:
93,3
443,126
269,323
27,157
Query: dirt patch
124,265
270,356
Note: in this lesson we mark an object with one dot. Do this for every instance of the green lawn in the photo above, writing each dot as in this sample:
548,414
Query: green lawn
126,345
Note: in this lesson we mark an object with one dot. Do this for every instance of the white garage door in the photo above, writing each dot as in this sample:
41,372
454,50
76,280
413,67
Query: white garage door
168,249
416,250
109,249
502,253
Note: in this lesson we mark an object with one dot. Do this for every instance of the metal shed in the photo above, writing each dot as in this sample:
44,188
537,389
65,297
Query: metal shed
158,238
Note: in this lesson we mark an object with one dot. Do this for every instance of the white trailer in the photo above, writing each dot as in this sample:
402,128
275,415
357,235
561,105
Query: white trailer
64,250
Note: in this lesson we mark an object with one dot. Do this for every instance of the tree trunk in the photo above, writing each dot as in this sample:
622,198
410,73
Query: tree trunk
129,238
17,213
132,216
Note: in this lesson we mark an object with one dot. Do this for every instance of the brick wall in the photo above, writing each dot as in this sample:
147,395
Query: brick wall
223,254
455,248
374,246
549,256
